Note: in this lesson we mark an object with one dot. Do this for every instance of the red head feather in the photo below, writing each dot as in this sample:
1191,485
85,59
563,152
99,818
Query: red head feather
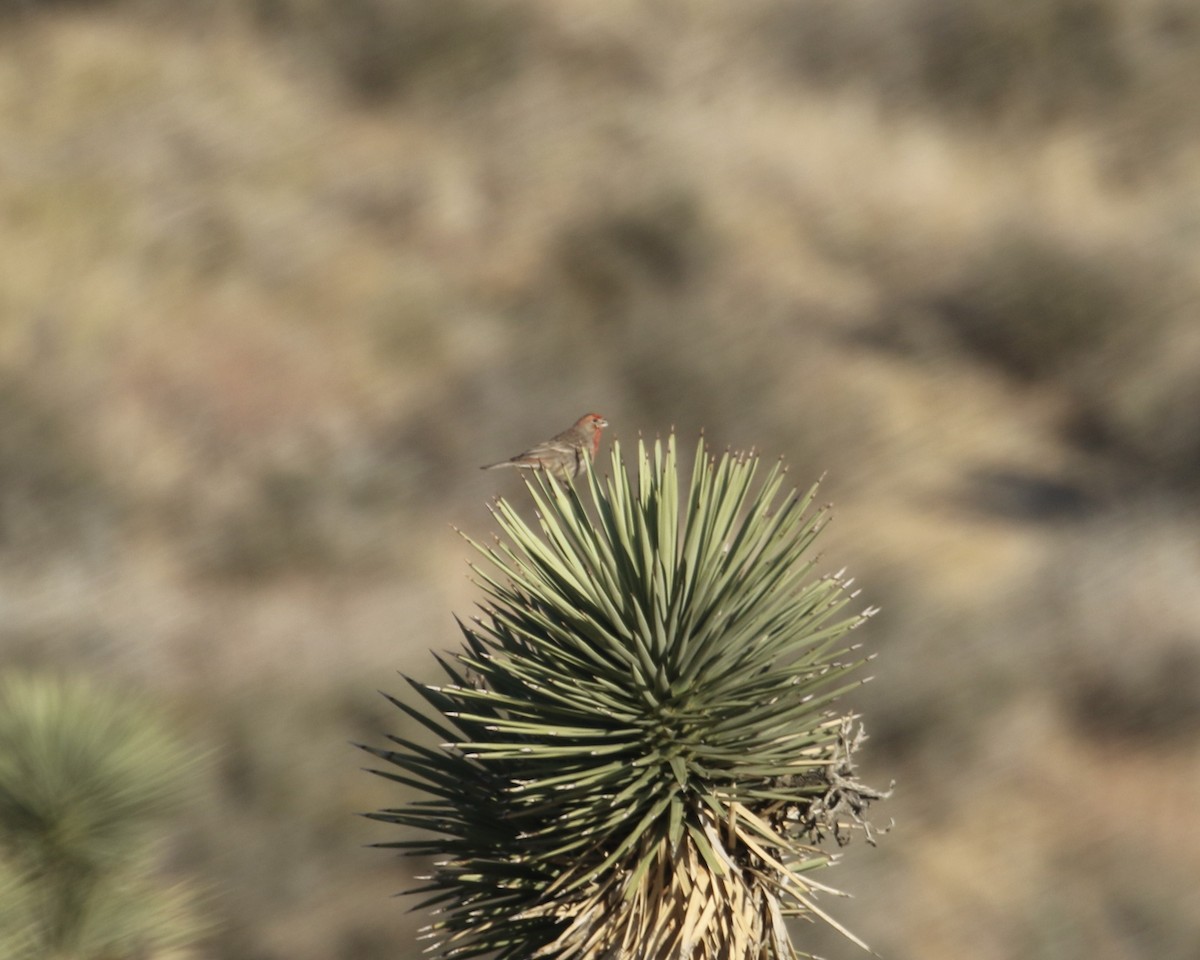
595,423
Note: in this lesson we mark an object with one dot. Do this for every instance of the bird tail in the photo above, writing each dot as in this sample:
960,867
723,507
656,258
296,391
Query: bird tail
494,466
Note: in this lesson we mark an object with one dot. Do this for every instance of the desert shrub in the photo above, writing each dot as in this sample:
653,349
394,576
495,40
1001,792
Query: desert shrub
306,507
612,258
8,7
1033,59
1137,400
1119,891
828,43
52,490
624,303
1051,57
1034,304
279,526
635,273
380,49
1120,630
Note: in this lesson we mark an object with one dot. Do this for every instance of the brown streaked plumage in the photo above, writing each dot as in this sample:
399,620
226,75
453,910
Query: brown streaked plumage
564,453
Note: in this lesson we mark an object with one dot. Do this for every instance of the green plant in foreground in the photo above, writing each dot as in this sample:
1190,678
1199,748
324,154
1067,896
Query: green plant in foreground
84,776
638,758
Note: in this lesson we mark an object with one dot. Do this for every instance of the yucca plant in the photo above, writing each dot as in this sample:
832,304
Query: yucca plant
637,754
85,777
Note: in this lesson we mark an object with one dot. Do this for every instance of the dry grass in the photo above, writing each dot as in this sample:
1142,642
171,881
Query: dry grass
281,275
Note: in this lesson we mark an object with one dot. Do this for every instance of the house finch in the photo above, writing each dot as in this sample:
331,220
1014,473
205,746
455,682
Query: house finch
564,453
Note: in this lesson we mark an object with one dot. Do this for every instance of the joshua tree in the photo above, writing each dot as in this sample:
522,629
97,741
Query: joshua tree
637,754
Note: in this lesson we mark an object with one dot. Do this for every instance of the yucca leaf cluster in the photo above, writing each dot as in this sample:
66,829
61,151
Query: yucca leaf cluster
637,755
86,775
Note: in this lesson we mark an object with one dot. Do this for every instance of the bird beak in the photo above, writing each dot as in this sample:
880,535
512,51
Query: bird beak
602,422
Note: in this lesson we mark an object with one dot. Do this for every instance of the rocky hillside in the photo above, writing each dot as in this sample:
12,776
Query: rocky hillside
280,274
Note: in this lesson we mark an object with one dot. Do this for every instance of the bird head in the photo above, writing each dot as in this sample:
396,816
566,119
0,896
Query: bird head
591,424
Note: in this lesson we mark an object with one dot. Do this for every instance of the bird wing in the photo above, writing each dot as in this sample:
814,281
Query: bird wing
574,435
553,451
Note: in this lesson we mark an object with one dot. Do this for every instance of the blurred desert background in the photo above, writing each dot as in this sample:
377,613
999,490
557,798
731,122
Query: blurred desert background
279,275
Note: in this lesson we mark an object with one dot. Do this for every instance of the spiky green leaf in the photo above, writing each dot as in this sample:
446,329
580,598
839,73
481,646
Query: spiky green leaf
637,754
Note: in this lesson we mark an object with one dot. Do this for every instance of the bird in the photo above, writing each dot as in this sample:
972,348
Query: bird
563,454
